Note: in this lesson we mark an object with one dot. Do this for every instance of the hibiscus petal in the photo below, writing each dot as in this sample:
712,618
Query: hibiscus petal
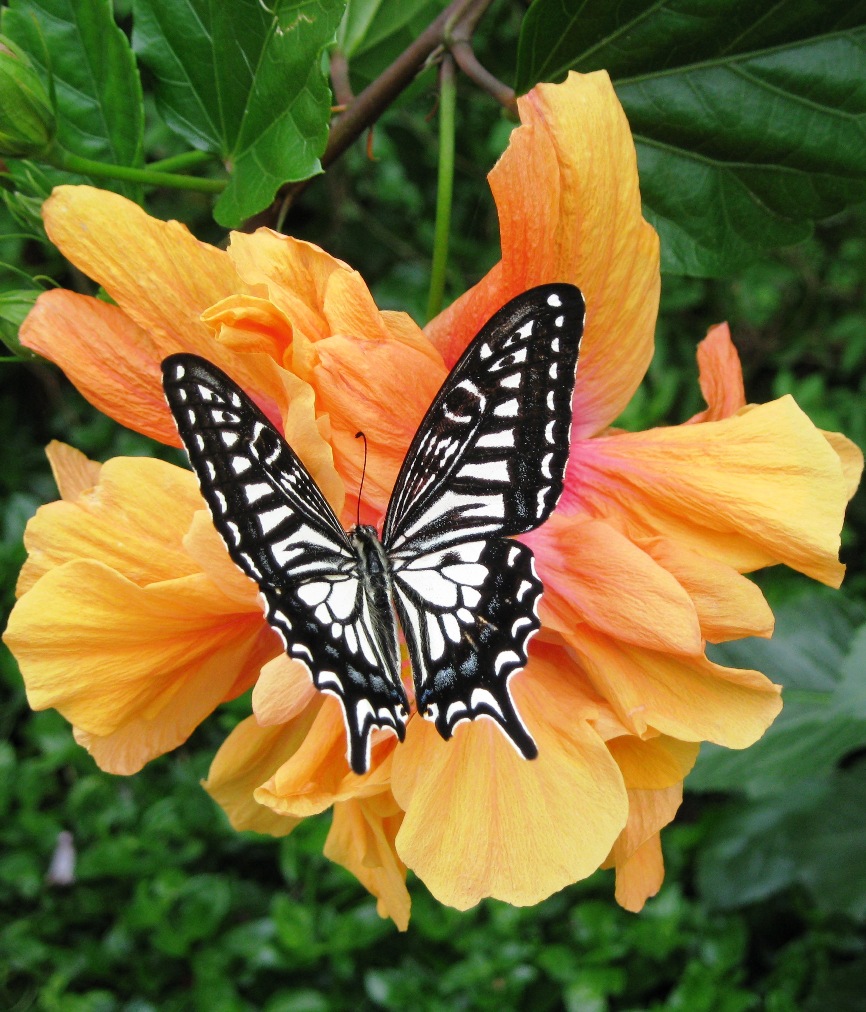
721,376
382,388
728,604
655,763
542,825
579,221
159,274
362,840
640,875
110,360
247,757
592,573
284,688
637,853
151,662
687,698
73,472
752,490
318,774
134,520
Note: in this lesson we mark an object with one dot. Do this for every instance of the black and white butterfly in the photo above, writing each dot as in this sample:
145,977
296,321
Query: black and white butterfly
487,462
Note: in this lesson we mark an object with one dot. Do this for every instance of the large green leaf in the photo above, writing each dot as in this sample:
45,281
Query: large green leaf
89,62
749,122
812,837
819,656
247,81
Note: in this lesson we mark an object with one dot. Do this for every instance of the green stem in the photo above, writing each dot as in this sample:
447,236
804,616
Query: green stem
103,170
186,160
445,184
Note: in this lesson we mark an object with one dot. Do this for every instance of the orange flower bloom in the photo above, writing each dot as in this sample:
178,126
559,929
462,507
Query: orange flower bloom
134,624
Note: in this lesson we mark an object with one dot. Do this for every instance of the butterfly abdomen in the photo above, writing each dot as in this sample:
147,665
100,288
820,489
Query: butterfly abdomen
375,574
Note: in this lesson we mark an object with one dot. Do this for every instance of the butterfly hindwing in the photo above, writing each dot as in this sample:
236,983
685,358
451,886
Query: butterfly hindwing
468,613
280,530
488,461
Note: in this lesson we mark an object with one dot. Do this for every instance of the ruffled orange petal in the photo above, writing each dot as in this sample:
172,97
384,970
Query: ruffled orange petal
283,690
542,824
687,698
156,271
637,853
592,573
720,377
318,774
362,840
850,457
108,357
753,490
148,662
729,605
249,756
640,875
655,763
134,520
579,221
381,388
73,472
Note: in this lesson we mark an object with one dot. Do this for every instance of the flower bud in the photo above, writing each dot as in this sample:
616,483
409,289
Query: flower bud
27,120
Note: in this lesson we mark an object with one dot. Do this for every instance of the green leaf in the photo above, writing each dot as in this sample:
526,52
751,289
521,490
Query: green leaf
88,62
203,56
748,123
285,126
812,837
824,717
246,81
14,306
373,34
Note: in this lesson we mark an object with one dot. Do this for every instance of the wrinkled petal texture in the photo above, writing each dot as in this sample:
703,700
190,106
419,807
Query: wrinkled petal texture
569,207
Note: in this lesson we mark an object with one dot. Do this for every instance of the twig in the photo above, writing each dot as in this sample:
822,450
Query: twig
467,61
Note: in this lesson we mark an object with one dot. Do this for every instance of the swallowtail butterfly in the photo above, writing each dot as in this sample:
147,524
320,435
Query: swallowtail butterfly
487,462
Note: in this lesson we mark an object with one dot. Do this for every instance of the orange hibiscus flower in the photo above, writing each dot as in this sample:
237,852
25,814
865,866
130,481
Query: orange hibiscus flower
134,624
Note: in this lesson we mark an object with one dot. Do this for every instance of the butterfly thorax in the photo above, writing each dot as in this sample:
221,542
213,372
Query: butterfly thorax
375,573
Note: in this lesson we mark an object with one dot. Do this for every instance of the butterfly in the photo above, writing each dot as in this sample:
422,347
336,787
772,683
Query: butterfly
487,462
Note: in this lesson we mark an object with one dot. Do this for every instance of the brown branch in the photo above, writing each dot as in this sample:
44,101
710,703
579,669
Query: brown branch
367,107
467,61
340,78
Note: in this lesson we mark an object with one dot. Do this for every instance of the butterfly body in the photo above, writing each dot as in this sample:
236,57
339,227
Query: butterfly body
486,463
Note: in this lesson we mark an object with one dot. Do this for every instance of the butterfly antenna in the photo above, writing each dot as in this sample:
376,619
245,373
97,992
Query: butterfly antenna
360,435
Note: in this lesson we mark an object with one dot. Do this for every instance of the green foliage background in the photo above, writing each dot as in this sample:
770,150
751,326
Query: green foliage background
765,899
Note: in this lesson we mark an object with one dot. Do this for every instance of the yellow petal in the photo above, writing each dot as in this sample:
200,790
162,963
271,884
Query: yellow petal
721,376
850,457
317,775
579,221
73,472
637,853
752,490
539,826
655,763
729,605
284,688
147,662
112,361
687,698
592,573
157,272
207,549
362,840
249,756
640,875
134,520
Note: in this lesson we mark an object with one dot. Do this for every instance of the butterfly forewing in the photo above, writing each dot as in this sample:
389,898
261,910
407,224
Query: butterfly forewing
490,454
280,530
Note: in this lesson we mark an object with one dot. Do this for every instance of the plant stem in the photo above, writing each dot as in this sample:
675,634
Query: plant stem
445,184
149,177
185,160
